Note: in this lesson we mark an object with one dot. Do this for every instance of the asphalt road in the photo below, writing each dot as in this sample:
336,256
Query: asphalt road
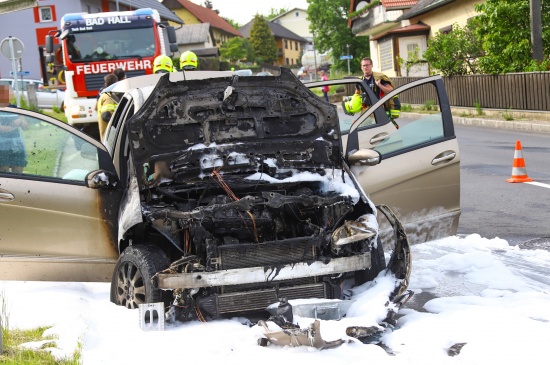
492,207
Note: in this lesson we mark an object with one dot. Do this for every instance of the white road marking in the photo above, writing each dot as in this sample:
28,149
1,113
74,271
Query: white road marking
539,184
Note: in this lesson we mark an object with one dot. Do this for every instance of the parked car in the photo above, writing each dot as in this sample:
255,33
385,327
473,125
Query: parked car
244,72
264,73
47,98
209,193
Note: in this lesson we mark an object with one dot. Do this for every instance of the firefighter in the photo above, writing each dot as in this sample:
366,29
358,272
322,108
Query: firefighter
380,85
106,105
162,64
188,61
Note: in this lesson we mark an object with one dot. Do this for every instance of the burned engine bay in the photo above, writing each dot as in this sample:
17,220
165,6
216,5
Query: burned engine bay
244,179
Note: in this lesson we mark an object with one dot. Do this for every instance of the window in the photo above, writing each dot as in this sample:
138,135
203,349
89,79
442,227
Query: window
33,147
296,45
386,55
286,44
446,30
286,59
297,14
45,14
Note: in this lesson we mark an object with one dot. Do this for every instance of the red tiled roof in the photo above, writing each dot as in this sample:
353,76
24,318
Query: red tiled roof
398,3
205,15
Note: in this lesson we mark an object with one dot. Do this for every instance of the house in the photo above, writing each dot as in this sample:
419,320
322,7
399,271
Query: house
289,44
296,21
400,29
31,26
204,30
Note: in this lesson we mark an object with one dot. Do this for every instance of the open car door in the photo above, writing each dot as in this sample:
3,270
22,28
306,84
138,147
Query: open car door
418,170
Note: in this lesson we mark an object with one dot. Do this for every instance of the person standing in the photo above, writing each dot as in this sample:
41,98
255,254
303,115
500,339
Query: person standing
379,82
106,105
381,85
119,73
326,88
13,156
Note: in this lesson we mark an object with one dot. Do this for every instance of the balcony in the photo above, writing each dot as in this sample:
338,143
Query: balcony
375,21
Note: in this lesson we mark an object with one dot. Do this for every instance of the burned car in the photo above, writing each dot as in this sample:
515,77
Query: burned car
222,194
245,197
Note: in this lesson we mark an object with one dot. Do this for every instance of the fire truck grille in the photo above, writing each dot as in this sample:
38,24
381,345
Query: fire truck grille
97,81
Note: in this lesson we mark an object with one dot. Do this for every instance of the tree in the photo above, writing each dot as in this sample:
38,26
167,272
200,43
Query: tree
263,42
234,49
456,52
329,25
275,13
506,36
233,23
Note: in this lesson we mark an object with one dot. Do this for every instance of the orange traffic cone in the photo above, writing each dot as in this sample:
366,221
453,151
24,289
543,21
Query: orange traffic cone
519,173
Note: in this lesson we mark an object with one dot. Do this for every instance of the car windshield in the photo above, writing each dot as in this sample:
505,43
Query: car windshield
113,44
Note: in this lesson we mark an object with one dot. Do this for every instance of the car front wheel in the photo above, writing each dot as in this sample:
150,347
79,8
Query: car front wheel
131,284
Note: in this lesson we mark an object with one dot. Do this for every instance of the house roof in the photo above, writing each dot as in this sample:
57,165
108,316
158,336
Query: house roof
418,27
193,33
285,13
398,4
164,12
424,6
205,15
276,29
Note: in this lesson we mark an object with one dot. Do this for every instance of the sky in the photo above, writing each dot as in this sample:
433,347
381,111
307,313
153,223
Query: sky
243,11
484,293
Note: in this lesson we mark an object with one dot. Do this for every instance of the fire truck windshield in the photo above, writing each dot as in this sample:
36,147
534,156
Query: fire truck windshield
111,44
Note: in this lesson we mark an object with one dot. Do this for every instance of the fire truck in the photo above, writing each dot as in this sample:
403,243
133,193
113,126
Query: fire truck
94,45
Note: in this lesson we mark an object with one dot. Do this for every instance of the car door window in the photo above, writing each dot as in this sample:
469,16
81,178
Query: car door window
421,125
36,149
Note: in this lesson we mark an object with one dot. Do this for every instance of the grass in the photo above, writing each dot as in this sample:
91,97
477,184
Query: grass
507,115
478,108
12,339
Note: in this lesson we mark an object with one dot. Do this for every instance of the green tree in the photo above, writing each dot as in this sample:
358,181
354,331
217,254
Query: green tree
275,13
506,35
234,49
263,42
456,52
329,25
233,23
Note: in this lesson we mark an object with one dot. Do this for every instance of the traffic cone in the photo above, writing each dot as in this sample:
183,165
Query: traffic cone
519,173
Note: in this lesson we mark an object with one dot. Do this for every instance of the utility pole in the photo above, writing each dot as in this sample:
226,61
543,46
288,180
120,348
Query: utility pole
536,29
347,46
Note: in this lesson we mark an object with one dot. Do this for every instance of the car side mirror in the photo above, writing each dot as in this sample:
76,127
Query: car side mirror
101,179
365,157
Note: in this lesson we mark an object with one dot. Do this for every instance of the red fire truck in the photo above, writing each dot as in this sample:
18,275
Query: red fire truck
92,46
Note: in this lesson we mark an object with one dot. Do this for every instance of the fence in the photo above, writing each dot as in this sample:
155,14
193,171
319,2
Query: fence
522,91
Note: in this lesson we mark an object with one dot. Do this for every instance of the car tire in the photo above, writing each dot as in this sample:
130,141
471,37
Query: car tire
131,284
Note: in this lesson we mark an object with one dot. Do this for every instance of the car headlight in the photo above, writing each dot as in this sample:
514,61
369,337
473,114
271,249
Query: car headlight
350,232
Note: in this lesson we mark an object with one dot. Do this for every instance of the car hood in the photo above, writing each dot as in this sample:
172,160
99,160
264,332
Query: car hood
238,126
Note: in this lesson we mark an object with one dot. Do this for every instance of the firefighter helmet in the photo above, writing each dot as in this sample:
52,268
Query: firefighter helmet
352,105
188,61
162,64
